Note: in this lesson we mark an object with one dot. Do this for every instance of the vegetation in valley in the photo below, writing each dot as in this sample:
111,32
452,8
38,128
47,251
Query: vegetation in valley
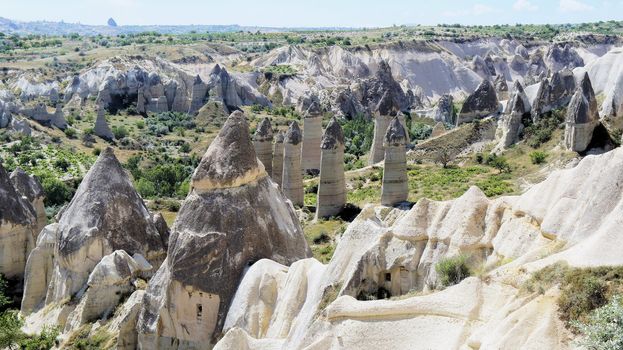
452,270
582,290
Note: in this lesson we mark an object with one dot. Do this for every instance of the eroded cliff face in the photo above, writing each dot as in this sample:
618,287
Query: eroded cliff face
234,216
573,216
84,265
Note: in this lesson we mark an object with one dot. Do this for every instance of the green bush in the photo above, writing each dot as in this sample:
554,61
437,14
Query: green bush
452,270
146,188
70,133
603,329
119,132
499,162
56,191
538,157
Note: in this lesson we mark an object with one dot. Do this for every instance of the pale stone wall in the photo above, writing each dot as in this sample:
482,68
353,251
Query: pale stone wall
278,162
395,188
578,136
292,179
264,152
14,243
332,188
312,134
381,122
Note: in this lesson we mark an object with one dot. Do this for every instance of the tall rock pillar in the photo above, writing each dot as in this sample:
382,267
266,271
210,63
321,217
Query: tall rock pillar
312,133
395,188
263,144
332,188
381,122
292,179
278,158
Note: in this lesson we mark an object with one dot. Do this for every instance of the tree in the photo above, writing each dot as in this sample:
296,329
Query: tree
444,155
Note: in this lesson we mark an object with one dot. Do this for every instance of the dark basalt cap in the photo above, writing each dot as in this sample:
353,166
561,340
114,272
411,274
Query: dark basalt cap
313,111
26,185
396,134
230,156
333,136
294,135
264,131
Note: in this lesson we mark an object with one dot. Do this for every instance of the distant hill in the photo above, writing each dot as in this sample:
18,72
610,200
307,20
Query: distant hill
61,28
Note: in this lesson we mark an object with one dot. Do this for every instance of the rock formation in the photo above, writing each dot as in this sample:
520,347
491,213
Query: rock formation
58,119
381,123
233,217
559,57
312,133
263,143
105,215
395,188
110,281
501,87
438,130
18,224
510,125
444,110
292,178
381,93
521,93
480,67
393,252
198,95
101,127
481,103
278,158
553,93
29,187
332,186
582,117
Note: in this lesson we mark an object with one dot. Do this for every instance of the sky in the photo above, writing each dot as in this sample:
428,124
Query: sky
313,13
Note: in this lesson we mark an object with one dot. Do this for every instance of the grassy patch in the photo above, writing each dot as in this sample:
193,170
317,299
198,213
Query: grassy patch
320,236
452,270
582,289
81,339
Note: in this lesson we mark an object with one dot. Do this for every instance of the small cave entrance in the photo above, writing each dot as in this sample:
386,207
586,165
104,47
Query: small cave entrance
122,101
387,283
601,139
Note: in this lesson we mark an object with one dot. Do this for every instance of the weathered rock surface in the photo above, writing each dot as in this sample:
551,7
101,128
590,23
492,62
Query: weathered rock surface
312,134
29,187
510,125
395,186
553,93
263,144
101,127
481,103
105,215
18,225
559,57
501,87
234,216
109,282
582,117
332,185
393,252
278,148
292,178
444,110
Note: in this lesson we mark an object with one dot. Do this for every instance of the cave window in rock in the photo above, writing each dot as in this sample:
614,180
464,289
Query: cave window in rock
199,312
388,276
